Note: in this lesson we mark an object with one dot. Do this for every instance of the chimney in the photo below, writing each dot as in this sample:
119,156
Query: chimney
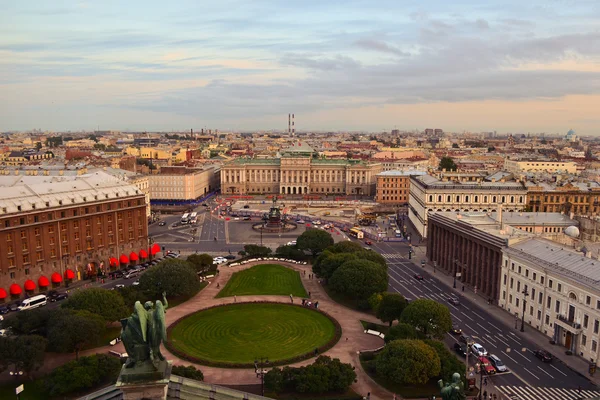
499,217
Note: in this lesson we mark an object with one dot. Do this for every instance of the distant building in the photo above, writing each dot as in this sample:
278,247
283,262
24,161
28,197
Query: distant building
184,183
392,187
540,166
573,197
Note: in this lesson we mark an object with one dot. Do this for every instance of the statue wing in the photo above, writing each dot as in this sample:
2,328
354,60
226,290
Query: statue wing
143,317
160,320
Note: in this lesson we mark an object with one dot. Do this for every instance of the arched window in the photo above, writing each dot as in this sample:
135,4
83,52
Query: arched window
512,199
466,199
439,199
430,198
494,199
520,199
503,199
449,199
485,199
458,199
476,199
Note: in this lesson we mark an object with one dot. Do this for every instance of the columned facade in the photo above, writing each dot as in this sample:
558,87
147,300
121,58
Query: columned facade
474,254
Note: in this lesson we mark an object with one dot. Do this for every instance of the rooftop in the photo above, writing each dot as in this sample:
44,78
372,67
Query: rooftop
407,172
537,218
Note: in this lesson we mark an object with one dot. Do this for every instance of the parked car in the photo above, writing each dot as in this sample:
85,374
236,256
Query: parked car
291,243
299,221
418,277
162,223
497,363
13,306
136,283
230,257
461,350
465,338
51,294
246,218
487,366
455,330
119,286
544,355
246,206
59,297
454,300
4,309
478,350
368,242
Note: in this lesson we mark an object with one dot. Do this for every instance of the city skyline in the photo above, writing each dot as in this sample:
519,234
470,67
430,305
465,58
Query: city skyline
503,66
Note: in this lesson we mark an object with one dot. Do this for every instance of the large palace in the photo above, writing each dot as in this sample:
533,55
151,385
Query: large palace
298,171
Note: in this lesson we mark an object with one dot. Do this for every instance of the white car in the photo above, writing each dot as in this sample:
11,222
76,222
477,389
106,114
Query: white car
292,243
478,350
119,286
219,260
136,283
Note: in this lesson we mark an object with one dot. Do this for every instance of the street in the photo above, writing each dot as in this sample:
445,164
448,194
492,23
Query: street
498,338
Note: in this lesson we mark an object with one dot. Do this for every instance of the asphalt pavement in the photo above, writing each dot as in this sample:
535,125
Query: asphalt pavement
498,338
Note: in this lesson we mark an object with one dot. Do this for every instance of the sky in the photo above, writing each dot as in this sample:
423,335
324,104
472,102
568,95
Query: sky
503,65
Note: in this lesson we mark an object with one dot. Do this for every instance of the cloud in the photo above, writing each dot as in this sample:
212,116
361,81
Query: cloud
377,45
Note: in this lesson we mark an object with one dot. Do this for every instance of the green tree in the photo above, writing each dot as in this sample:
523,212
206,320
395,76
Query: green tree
31,322
330,262
375,300
106,303
74,330
449,363
359,279
99,146
372,256
345,246
448,164
491,149
314,240
38,146
401,331
290,252
254,250
188,371
455,145
274,380
408,362
22,353
390,307
201,262
176,277
428,316
83,374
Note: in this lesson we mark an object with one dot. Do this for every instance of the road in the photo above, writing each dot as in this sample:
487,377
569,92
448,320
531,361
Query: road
499,339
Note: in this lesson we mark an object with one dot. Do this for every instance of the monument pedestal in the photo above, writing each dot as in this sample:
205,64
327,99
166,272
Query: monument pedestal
145,381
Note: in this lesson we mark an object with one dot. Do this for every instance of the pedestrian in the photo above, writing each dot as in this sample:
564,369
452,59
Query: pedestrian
346,341
485,394
234,298
303,301
485,381
304,272
308,294
369,396
463,288
394,393
291,298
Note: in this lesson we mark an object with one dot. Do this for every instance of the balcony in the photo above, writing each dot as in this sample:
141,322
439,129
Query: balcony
571,326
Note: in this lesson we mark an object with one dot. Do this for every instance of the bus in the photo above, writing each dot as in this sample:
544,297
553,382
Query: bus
185,218
193,218
356,233
33,302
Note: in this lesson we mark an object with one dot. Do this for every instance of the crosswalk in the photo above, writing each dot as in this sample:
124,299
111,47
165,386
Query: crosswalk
545,393
391,256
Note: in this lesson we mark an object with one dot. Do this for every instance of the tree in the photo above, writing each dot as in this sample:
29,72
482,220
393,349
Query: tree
390,307
290,252
428,317
30,322
455,145
372,256
345,246
38,146
201,262
359,279
449,363
491,149
99,146
274,380
22,353
314,240
175,277
74,330
254,250
330,262
448,164
407,362
401,331
83,374
188,371
106,303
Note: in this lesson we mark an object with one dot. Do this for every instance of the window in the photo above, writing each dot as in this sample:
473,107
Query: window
51,229
87,222
76,235
588,300
594,346
36,231
62,214
547,320
583,340
24,246
504,295
598,304
539,315
75,212
559,287
25,259
526,273
519,269
38,243
542,280
557,306
550,283
36,218
63,226
517,302
596,326
518,286
510,298
512,281
50,218
52,253
39,256
532,293
23,234
585,321
76,224
9,249
22,221
534,276
505,279
530,310
548,302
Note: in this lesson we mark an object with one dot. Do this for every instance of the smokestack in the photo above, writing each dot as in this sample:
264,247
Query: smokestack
289,124
293,127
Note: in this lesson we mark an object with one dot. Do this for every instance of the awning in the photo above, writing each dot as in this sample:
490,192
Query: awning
15,289
56,278
29,285
133,256
69,274
123,259
143,254
154,249
113,262
43,281
3,294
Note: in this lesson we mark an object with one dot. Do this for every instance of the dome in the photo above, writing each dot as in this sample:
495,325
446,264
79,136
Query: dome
572,231
571,132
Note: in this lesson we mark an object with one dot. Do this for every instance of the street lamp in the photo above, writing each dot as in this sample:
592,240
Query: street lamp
258,368
525,294
150,243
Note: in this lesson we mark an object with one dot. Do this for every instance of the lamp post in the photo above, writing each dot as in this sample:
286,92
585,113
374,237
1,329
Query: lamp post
525,294
480,367
259,363
150,243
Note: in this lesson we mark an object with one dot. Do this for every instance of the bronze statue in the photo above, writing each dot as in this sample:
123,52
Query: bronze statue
143,332
454,390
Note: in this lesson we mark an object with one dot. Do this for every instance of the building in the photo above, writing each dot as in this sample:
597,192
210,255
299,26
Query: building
184,183
430,194
558,288
574,197
392,187
298,172
142,182
61,228
540,166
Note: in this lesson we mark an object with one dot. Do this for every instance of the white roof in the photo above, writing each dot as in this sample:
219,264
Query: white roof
39,192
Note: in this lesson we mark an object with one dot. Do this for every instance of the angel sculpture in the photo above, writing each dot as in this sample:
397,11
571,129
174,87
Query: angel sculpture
452,390
143,332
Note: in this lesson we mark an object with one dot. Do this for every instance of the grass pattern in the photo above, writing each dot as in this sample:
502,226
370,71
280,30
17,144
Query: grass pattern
264,279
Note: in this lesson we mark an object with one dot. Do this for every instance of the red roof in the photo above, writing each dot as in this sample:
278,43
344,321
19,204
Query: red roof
56,278
29,285
43,281
143,254
69,274
113,262
3,293
123,259
154,249
133,256
15,289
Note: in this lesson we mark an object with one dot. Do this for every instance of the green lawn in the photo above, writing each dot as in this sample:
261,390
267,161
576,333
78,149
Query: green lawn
264,279
238,333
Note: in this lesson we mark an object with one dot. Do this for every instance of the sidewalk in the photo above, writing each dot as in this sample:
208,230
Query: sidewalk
575,363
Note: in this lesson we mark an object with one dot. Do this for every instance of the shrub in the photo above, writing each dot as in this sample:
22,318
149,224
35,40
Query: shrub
106,303
175,277
408,362
83,374
188,371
